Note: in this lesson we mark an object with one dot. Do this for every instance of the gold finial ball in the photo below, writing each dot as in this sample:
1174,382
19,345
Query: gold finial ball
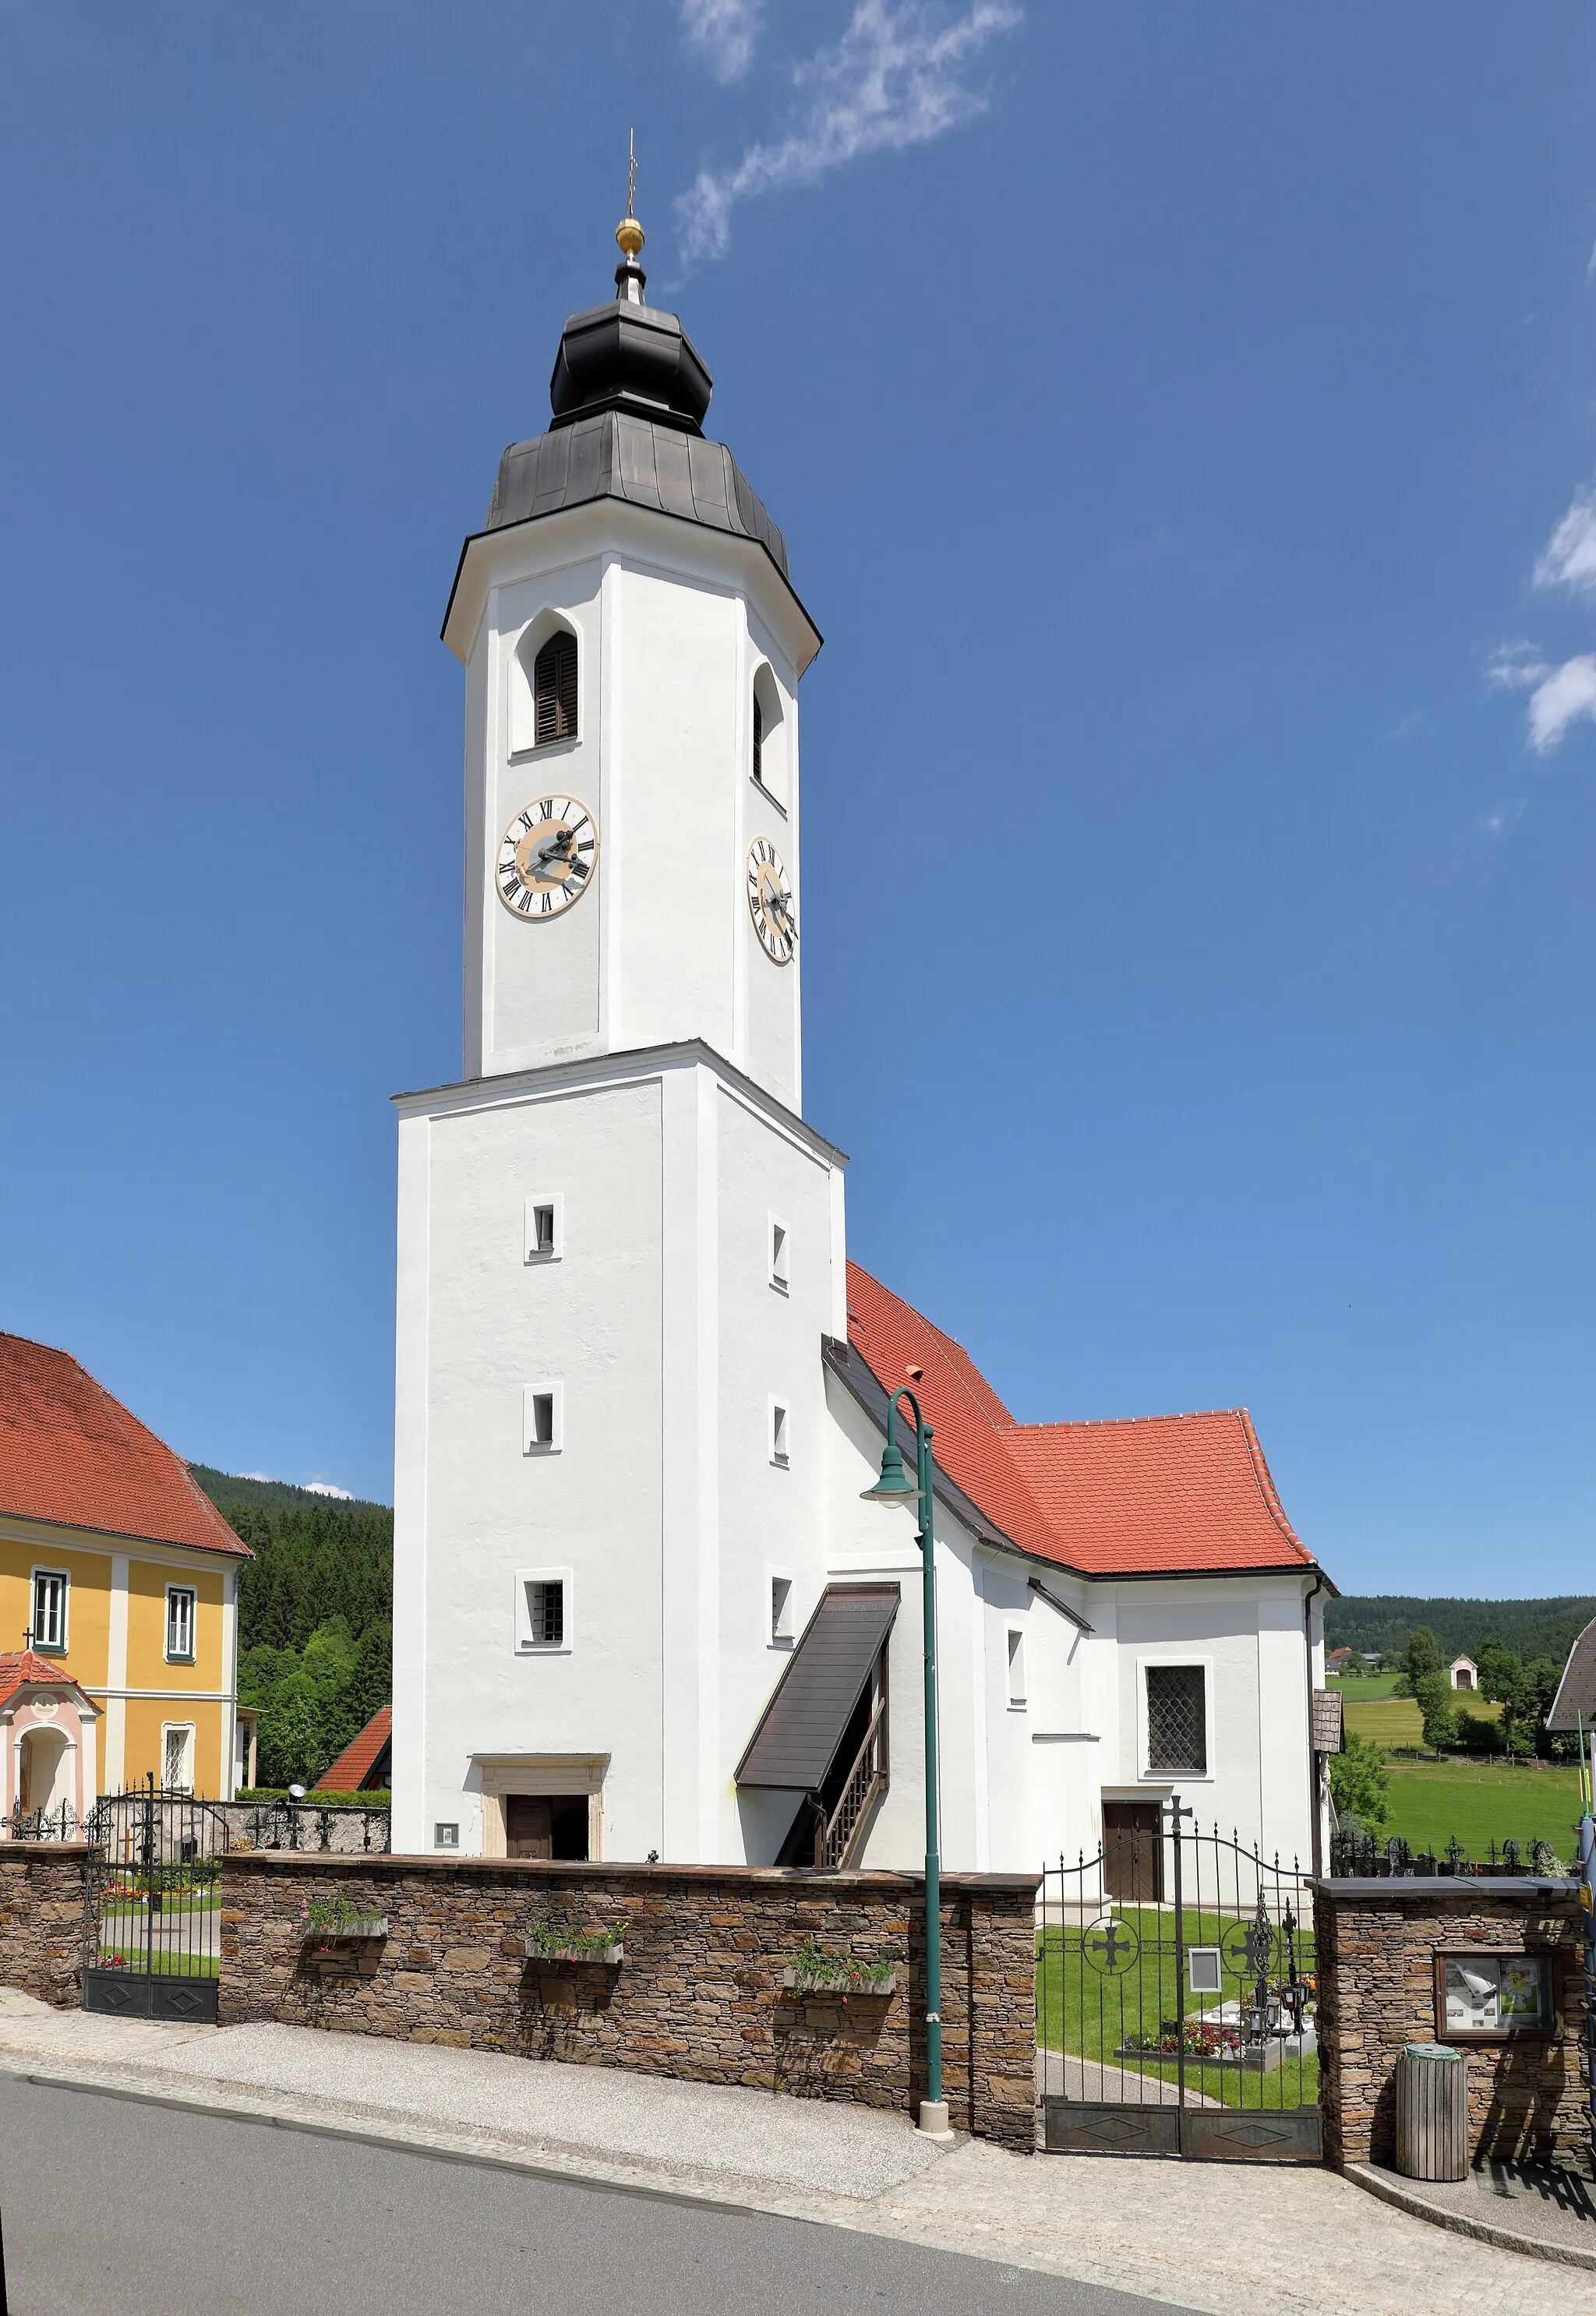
628,233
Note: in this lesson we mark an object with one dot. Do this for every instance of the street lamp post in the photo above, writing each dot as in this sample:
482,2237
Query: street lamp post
895,1486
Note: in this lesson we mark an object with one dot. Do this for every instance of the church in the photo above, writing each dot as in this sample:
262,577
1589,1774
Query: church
642,1610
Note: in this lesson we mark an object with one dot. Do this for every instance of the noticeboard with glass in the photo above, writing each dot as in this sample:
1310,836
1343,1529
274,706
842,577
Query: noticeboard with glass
1486,1994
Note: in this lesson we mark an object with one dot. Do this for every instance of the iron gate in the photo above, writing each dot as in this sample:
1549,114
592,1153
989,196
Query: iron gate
152,1905
1176,1997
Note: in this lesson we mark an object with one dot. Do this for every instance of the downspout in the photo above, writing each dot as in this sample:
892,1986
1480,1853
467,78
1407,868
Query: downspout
1307,1659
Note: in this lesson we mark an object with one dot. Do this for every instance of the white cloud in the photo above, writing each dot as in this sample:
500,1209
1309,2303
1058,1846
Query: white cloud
724,32
1558,696
325,1488
894,79
1568,558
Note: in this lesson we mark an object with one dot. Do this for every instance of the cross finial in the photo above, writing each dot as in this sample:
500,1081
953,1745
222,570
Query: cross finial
27,1639
631,173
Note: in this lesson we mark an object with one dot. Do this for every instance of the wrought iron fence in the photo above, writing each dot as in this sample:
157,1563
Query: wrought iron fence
1354,1851
303,1825
1176,1997
42,1825
152,1905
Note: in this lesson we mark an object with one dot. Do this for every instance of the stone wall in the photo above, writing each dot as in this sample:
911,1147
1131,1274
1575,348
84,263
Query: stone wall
698,1994
41,1919
344,1827
1377,1942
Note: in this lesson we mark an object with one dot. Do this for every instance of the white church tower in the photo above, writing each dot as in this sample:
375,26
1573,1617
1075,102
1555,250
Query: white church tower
619,1246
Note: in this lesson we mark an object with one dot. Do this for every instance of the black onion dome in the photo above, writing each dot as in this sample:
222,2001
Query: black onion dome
628,356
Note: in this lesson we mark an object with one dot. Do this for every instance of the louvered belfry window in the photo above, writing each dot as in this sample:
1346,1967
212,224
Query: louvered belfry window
554,682
759,740
1177,1719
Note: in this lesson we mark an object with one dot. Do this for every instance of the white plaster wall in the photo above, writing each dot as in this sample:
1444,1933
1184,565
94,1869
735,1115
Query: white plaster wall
494,1325
769,1347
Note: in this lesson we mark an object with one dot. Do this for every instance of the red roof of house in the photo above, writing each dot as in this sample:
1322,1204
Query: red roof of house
1176,1494
359,1755
20,1667
71,1454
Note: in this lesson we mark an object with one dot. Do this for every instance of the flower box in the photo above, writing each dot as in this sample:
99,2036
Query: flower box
828,1982
360,1926
607,1957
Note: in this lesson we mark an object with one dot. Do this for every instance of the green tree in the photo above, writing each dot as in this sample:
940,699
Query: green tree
1503,1680
1424,1679
1360,1783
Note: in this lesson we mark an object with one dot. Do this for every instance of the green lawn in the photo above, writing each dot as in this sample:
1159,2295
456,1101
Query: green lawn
1374,1684
1396,1720
138,1964
1484,1801
1090,2013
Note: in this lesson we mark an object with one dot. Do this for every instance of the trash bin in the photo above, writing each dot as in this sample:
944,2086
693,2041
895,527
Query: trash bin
1431,2112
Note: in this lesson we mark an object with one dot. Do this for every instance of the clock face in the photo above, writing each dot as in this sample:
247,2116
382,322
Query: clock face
770,902
547,857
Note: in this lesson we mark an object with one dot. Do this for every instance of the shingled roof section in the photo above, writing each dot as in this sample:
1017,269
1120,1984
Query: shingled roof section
26,1668
72,1455
1154,1495
359,1757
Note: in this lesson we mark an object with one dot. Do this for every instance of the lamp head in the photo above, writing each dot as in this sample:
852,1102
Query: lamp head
896,1485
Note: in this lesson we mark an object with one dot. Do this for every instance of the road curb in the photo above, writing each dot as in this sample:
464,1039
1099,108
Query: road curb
1408,2196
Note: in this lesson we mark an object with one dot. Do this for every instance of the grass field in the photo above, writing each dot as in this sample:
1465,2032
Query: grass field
1370,1710
1373,1684
1090,2013
1481,1801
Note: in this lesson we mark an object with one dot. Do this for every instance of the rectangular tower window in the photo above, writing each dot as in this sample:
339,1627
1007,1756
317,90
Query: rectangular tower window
177,1756
1016,1667
781,1611
778,1433
543,1609
49,1608
542,1419
545,1227
180,1623
778,1255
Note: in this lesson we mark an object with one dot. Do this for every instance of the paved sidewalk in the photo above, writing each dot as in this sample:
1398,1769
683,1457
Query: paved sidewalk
1511,2203
1292,2241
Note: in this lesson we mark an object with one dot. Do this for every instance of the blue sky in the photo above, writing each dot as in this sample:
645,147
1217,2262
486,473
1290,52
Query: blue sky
1180,421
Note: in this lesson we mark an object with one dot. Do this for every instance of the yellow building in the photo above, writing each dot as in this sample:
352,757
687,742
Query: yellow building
119,1580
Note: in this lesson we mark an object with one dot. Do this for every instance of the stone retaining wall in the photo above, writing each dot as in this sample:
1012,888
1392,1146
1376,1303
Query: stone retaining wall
1377,1942
698,1995
41,1918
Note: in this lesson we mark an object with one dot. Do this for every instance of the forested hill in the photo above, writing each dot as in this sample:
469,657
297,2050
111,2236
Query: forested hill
1530,1628
314,1617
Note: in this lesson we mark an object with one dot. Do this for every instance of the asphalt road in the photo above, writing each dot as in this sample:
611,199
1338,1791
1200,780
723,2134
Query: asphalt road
113,2207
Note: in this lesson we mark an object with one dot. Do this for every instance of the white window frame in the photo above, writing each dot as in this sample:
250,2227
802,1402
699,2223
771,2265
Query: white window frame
64,1576
531,1445
1014,1648
782,1635
779,1431
525,1645
185,1729
554,1202
778,1248
1156,1658
191,1593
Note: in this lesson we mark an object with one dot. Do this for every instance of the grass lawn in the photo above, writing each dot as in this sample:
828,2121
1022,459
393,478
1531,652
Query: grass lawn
1396,1720
1484,1801
1373,1684
1090,2013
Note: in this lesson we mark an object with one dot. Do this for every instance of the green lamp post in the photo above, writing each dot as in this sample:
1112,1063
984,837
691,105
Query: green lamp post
897,1486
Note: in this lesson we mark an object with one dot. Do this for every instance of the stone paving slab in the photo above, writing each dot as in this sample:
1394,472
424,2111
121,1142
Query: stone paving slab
1549,2212
1229,2240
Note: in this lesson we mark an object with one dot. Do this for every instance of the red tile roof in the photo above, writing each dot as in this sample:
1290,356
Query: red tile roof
20,1667
72,1455
359,1757
1175,1494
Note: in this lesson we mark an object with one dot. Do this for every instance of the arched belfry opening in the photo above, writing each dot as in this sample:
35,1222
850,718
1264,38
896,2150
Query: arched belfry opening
554,688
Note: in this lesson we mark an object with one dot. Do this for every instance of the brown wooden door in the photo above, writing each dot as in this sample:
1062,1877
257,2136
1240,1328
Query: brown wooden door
1133,1852
529,1826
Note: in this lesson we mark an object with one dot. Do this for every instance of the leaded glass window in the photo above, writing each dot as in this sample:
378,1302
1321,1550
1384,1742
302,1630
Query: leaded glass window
1177,1718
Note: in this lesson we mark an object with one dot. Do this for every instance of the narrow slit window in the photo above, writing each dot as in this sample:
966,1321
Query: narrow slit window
540,1433
180,1623
759,740
781,1609
1016,1668
778,1432
554,688
546,1613
542,1230
779,1255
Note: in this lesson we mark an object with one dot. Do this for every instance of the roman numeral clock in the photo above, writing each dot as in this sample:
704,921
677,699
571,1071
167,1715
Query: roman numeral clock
547,857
